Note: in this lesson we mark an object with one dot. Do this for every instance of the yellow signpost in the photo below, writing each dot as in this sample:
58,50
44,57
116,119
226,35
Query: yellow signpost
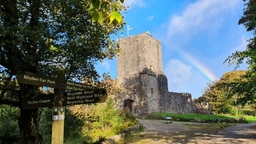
58,125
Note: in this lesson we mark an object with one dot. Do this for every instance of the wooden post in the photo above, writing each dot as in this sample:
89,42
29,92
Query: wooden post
58,126
58,114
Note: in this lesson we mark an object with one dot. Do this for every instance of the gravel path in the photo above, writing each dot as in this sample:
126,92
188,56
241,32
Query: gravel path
158,132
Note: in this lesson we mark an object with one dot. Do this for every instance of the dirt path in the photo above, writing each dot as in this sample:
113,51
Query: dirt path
158,132
238,134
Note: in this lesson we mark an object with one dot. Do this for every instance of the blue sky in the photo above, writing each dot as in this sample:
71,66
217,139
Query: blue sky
196,35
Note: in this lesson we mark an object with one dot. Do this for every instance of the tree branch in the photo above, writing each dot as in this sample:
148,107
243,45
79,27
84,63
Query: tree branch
9,102
6,83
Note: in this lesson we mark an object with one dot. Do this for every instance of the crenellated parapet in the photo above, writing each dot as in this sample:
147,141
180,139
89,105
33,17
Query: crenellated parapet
181,94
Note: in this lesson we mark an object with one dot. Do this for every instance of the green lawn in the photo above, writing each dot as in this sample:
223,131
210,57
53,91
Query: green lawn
187,117
250,119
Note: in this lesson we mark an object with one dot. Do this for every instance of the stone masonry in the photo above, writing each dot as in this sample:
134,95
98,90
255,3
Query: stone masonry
145,86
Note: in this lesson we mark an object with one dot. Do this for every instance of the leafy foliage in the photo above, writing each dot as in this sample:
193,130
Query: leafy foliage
8,126
247,86
9,131
102,120
107,10
109,123
49,38
218,95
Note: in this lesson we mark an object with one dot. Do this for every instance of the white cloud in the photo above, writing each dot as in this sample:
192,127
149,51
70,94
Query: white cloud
241,46
183,78
178,73
150,18
200,15
106,65
134,3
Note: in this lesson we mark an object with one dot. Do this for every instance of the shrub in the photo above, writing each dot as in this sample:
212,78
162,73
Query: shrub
9,131
108,124
129,119
141,128
248,112
109,121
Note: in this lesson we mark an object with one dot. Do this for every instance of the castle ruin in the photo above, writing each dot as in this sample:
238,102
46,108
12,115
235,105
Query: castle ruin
145,86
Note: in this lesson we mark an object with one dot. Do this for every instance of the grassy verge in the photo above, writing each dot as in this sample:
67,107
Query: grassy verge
250,119
201,117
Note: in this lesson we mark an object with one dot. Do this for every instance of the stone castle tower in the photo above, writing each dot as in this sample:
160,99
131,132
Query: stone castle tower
145,87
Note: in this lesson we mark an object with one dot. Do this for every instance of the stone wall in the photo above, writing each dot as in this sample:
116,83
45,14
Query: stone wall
173,102
178,103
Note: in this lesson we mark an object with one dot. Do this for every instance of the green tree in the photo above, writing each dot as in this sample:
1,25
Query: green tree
247,86
216,97
218,93
52,37
8,125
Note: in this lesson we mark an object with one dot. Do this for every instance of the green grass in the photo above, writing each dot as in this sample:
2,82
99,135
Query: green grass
201,117
250,119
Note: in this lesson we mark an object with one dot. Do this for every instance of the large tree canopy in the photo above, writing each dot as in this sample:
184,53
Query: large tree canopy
217,93
49,37
247,86
45,36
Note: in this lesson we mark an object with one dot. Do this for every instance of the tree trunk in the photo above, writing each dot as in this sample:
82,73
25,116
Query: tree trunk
29,127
